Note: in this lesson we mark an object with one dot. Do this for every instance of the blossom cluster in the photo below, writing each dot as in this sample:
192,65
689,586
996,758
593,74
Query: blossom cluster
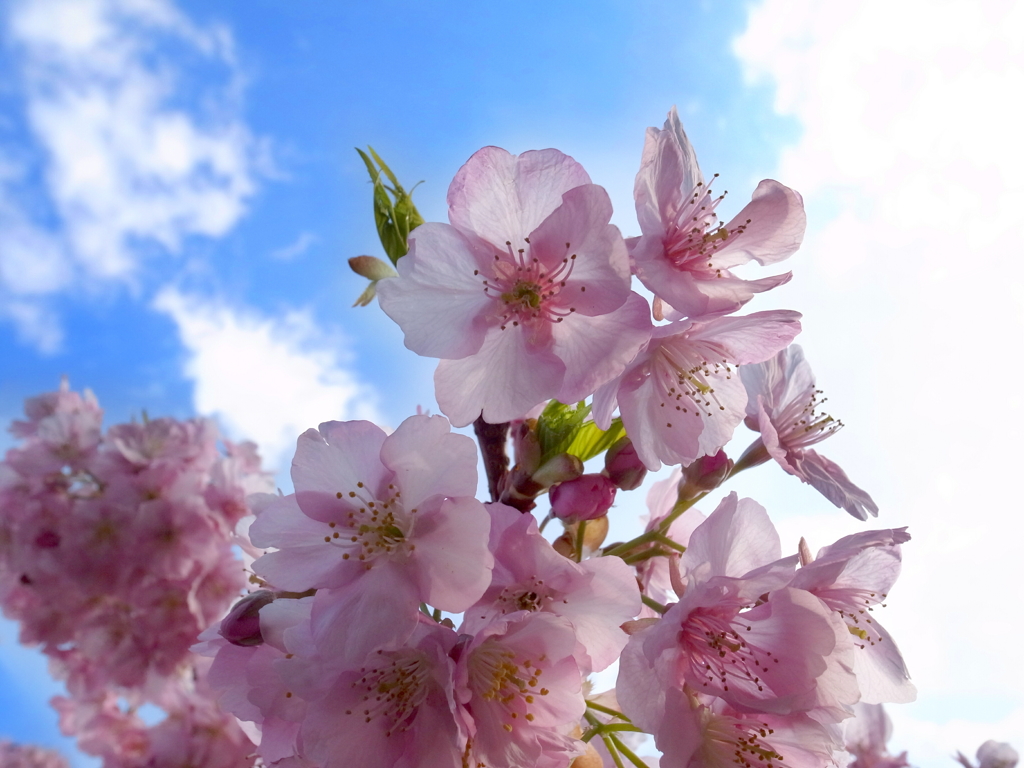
726,647
115,552
395,620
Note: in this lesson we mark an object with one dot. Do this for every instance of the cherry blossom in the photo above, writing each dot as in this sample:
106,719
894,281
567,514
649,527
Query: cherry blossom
782,406
525,295
852,577
867,734
680,398
684,254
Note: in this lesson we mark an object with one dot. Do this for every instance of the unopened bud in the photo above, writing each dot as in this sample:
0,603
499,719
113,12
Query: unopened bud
375,270
371,267
806,558
242,624
703,475
623,466
558,469
594,534
589,759
585,498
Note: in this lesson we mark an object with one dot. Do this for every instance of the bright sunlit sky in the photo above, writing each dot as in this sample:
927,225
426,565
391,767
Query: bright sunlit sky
179,195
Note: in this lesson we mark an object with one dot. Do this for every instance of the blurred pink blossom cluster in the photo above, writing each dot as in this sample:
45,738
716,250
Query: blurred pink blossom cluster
115,552
28,756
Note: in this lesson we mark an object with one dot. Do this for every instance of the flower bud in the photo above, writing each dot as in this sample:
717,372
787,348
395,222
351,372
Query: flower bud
242,624
558,469
623,466
585,498
705,474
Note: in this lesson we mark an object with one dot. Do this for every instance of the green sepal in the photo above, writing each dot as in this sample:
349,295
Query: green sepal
563,429
393,210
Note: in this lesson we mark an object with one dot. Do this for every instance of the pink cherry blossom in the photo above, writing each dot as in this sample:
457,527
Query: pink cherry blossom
525,295
597,595
680,398
853,577
703,732
377,516
782,405
518,683
992,754
396,711
739,632
29,756
685,254
866,736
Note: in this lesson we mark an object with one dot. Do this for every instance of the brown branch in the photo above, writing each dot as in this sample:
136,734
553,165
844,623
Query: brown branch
493,439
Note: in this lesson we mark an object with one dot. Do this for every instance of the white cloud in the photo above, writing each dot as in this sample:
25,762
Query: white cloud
267,379
913,170
133,154
295,249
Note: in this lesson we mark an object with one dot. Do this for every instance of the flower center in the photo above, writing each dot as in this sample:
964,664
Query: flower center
496,675
686,382
525,290
531,595
718,655
369,526
696,235
801,425
731,741
393,689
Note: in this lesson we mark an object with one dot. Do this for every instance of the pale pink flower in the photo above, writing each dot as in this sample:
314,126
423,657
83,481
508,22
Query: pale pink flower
852,577
525,295
992,754
597,595
702,732
374,516
685,253
29,756
782,406
867,734
738,631
518,685
396,711
680,398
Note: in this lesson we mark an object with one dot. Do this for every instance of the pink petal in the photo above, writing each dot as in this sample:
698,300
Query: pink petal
429,460
500,196
599,281
597,349
505,379
438,299
775,231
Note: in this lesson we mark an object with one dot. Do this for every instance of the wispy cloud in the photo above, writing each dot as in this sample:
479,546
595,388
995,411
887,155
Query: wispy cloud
267,379
911,283
136,150
297,248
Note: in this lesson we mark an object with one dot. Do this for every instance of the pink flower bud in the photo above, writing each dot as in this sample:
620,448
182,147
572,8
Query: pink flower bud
705,474
242,624
585,498
623,466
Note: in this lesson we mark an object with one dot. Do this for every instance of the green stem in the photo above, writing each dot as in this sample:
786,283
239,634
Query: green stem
580,530
606,710
627,752
653,604
659,533
606,738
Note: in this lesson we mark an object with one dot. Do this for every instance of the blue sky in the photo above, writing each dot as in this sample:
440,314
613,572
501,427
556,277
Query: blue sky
179,194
